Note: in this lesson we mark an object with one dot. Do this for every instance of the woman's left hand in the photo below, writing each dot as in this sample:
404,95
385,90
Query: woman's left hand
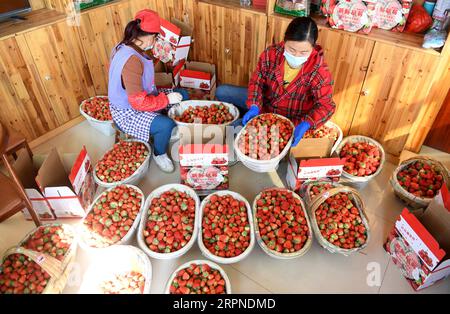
300,131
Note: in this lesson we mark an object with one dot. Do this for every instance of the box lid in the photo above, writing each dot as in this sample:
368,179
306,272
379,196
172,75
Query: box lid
203,149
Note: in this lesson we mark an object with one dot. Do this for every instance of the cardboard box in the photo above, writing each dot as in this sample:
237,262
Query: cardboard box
420,246
199,75
67,188
313,148
174,41
204,167
167,76
301,170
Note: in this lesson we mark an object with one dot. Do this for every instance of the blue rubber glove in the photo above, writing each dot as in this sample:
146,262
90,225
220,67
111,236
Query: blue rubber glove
300,131
251,113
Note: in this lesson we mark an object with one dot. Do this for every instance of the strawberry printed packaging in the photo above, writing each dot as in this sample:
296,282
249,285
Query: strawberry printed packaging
419,246
349,15
390,14
204,167
174,41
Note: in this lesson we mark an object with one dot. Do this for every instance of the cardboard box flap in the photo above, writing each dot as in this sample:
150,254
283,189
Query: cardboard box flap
196,74
313,148
186,29
25,170
163,80
419,238
201,66
322,162
52,172
169,31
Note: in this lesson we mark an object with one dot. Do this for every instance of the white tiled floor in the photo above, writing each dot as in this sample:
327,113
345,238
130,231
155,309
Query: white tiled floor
316,272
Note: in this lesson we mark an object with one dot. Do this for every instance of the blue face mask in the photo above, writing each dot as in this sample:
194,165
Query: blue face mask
293,61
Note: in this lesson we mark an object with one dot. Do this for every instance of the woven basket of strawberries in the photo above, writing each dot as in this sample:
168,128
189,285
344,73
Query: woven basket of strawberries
417,180
364,158
312,189
339,221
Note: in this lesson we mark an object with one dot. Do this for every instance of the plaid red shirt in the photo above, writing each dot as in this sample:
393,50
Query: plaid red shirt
307,98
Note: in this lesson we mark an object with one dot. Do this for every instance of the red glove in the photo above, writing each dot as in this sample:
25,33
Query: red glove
143,102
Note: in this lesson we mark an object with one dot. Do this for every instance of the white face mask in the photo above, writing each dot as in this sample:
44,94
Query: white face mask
293,61
148,48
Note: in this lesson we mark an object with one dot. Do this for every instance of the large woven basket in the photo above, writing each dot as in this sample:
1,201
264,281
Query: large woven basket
416,202
356,181
359,204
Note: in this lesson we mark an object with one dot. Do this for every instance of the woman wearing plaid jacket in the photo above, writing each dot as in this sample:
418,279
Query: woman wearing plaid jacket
291,79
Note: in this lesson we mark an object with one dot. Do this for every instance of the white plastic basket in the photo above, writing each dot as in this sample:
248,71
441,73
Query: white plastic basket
356,181
178,110
262,165
82,230
205,251
340,135
105,127
140,235
116,260
200,262
276,254
135,177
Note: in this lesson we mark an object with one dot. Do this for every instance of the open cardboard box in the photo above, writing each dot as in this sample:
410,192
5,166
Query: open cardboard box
168,76
199,75
64,187
204,167
310,160
174,41
420,246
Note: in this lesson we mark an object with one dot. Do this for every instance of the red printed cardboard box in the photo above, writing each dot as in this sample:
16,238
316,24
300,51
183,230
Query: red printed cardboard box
64,188
174,41
420,246
199,75
204,167
300,171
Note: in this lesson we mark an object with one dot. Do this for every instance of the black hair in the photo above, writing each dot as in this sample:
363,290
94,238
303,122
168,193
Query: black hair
132,32
302,29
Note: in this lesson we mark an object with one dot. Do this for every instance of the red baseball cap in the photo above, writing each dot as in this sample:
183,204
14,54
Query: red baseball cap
150,21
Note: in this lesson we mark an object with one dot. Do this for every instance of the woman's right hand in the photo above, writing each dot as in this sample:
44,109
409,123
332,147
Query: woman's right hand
174,98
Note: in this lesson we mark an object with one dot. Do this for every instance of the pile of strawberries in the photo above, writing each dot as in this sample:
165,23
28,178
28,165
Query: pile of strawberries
361,158
340,222
97,108
323,131
121,161
112,216
225,226
281,221
214,114
128,283
20,275
51,240
170,224
265,136
421,179
198,279
319,188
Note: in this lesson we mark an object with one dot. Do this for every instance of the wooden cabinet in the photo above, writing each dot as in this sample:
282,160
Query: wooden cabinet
396,86
230,38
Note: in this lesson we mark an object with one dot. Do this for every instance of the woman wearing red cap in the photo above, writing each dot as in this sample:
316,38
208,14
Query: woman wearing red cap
134,99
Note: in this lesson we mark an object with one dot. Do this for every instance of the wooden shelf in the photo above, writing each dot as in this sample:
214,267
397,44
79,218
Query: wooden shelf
234,4
34,20
406,40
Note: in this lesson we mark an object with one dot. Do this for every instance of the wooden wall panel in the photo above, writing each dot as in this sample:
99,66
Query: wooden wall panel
37,4
231,39
397,83
57,54
23,102
348,58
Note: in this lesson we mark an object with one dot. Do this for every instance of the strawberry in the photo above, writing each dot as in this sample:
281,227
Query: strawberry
225,226
112,216
121,161
20,275
322,132
198,279
420,179
170,222
126,283
361,158
97,108
340,222
281,221
265,136
214,114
